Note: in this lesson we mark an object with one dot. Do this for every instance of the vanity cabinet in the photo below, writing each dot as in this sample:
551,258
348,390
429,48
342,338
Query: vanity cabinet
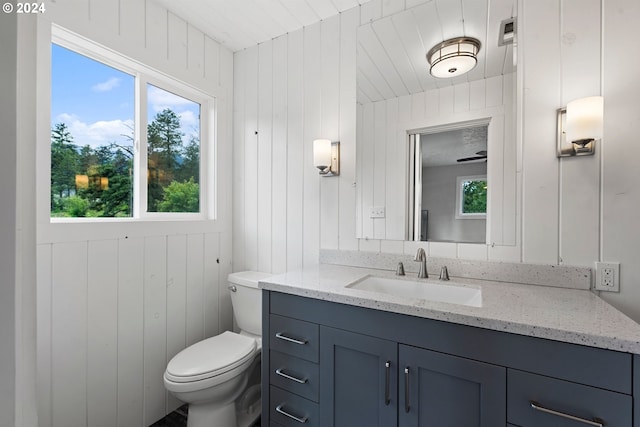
355,366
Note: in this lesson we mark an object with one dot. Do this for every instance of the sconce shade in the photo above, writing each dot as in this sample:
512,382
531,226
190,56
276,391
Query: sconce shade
453,57
322,153
585,119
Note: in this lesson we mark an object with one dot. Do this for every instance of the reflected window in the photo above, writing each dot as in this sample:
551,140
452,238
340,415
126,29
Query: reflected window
471,197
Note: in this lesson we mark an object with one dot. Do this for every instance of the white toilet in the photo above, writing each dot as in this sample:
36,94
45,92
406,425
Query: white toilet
219,377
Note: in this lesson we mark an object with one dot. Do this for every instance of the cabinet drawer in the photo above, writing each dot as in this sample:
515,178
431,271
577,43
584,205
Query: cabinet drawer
291,410
293,374
554,398
294,337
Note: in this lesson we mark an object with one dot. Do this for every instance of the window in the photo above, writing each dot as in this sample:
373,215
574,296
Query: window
125,141
471,197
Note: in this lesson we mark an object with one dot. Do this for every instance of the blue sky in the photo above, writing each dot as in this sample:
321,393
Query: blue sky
96,102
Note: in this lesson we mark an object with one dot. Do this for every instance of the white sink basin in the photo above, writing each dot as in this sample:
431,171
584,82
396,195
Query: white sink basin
450,292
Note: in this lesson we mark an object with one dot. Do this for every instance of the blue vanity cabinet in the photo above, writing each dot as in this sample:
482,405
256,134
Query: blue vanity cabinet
369,367
438,389
359,380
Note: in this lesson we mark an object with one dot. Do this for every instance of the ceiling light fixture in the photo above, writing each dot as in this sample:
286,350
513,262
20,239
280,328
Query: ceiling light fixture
453,57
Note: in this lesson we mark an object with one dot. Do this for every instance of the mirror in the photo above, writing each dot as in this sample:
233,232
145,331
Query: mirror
402,110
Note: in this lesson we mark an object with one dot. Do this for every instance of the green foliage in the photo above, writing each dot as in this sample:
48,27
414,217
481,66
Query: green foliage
181,197
474,197
76,206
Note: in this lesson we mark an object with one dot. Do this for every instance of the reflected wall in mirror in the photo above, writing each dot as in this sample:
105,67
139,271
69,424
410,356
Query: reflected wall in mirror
397,97
449,177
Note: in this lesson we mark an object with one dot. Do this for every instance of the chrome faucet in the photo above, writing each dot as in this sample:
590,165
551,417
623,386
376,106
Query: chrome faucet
421,257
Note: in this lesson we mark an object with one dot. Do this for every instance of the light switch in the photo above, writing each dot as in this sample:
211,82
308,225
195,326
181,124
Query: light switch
376,212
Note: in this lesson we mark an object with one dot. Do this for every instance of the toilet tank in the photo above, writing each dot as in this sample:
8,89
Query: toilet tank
246,300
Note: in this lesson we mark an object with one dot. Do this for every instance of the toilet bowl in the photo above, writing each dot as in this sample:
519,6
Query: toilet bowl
213,376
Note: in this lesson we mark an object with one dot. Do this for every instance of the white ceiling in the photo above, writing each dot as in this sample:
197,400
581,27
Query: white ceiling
238,24
444,148
392,50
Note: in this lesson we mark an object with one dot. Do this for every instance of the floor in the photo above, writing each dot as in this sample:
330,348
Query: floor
178,418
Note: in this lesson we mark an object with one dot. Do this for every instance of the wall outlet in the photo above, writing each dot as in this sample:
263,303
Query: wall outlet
376,212
608,276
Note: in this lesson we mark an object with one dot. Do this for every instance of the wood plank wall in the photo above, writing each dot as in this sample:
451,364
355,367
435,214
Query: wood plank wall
116,301
572,211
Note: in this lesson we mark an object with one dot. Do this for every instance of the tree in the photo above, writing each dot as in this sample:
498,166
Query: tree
474,197
164,143
190,166
181,197
64,165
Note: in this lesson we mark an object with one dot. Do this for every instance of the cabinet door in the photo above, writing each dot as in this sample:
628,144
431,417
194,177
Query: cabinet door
358,380
440,390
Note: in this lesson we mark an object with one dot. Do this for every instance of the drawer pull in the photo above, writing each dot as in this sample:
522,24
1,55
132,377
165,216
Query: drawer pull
596,422
407,405
293,417
280,372
387,398
289,339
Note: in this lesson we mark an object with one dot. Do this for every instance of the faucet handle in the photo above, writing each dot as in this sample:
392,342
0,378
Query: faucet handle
400,269
444,273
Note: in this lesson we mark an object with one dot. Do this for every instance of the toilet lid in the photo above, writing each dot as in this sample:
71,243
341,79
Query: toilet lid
211,357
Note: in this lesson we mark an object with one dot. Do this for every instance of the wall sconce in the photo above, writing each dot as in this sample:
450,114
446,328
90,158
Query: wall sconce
326,157
579,126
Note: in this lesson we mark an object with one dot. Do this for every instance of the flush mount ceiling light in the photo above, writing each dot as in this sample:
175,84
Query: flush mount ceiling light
453,57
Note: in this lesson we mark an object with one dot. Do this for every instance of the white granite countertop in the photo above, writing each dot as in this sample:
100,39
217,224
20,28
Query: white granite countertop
568,315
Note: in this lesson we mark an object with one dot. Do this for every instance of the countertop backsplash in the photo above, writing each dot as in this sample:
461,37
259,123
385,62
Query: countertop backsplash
562,276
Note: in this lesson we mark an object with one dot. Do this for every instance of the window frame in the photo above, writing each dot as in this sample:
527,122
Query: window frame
460,180
143,76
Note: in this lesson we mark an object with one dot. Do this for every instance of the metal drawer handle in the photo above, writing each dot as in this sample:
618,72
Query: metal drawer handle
387,398
293,417
407,406
596,422
293,340
280,372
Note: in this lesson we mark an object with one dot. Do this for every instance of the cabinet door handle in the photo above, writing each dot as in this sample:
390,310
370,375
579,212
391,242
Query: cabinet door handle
387,375
407,406
289,339
293,417
280,372
596,422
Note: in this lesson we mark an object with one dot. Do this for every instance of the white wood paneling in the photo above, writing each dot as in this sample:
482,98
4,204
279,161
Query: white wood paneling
176,300
213,284
250,207
347,128
620,194
312,130
541,99
279,173
69,335
130,332
265,155
195,288
102,333
239,182
44,328
295,150
177,43
155,327
330,128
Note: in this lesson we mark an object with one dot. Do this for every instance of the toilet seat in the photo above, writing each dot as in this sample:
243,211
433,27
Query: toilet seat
211,357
